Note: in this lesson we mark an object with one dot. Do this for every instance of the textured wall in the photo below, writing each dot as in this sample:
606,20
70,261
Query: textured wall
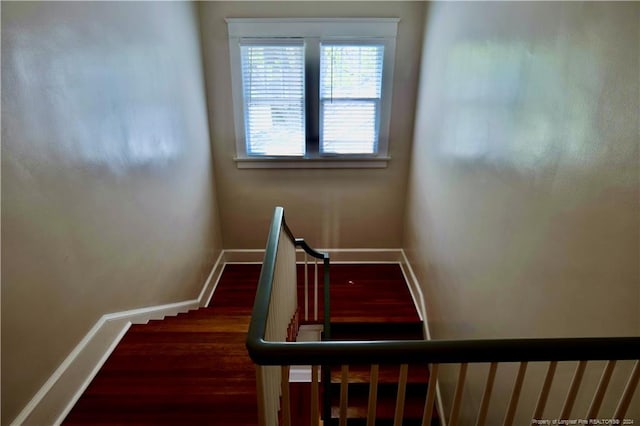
523,213
107,183
329,208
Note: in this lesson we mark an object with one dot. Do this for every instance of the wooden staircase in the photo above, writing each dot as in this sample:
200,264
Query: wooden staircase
191,369
194,368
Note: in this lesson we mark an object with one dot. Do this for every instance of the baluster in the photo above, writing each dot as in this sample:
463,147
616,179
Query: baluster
629,389
594,407
274,394
402,387
544,392
431,396
515,395
573,390
457,398
486,396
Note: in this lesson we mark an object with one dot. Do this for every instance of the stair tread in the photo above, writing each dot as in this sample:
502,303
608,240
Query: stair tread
231,323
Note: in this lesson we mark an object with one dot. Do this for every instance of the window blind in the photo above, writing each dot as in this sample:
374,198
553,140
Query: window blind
273,92
350,93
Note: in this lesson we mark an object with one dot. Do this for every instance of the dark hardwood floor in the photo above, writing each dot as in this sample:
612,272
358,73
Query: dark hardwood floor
370,293
194,368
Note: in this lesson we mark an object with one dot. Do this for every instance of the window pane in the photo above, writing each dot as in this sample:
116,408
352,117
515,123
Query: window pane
351,71
273,91
350,92
349,127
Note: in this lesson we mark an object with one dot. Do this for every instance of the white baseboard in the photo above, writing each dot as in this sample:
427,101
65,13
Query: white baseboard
90,355
421,307
54,400
416,292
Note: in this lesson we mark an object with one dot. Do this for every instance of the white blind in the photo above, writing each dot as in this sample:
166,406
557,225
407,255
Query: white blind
273,92
350,92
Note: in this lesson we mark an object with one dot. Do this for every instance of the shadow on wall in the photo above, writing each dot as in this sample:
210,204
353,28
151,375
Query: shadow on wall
124,126
502,101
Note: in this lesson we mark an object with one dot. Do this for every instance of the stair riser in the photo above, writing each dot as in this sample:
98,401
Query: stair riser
377,331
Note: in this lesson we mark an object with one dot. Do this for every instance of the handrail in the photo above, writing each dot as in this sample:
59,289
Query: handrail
264,352
444,351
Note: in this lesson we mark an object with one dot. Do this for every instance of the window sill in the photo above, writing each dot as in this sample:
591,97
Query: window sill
311,163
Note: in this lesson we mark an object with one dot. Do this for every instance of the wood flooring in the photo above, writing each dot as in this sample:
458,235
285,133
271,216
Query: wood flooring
193,369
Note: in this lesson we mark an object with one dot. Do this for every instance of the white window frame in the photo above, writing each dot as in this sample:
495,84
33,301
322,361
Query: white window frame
314,31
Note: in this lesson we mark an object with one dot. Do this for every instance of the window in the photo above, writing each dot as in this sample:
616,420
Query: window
312,92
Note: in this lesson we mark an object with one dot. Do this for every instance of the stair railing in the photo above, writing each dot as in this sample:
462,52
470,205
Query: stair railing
275,310
275,315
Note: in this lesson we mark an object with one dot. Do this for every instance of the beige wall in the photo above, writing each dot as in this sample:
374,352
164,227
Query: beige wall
107,184
329,208
523,197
